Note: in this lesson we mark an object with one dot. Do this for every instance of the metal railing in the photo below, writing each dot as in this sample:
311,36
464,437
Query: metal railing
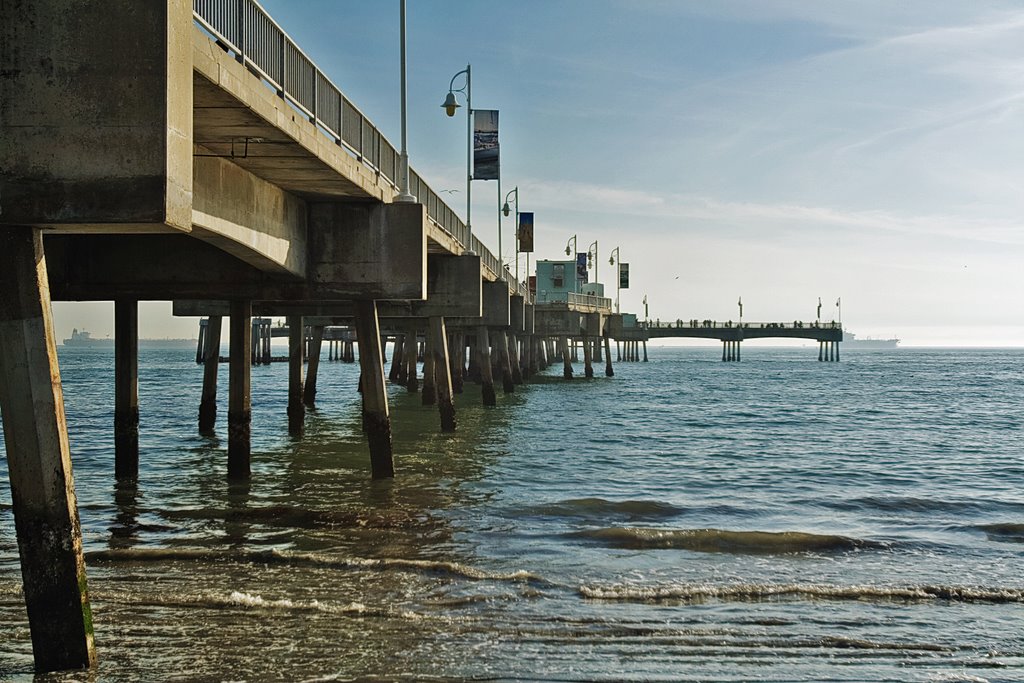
259,43
715,325
588,300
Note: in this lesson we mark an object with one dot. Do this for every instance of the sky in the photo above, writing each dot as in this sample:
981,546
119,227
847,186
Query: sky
776,151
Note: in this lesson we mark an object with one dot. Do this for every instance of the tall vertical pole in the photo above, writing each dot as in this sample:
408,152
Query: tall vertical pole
126,389
240,389
469,158
404,193
376,420
39,460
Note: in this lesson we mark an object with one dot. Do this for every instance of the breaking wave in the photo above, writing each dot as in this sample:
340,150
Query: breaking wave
300,559
723,541
754,592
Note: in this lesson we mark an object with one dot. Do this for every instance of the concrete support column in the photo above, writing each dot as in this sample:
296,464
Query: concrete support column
566,359
513,359
211,364
437,347
396,359
483,354
412,382
597,350
201,345
376,420
645,349
39,460
457,361
608,371
240,389
429,384
126,389
313,365
504,361
588,358
618,351
296,348
837,351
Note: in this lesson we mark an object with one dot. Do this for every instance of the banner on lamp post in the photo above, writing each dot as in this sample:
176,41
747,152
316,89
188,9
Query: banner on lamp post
623,275
526,232
581,268
485,145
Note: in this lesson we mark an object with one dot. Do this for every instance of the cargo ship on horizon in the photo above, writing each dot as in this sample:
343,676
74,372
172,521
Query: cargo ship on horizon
850,340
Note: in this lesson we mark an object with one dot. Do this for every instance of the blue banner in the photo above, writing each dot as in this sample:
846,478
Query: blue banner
581,268
485,144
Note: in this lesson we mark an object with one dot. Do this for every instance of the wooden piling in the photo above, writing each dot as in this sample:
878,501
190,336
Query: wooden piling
483,346
608,370
126,389
39,461
211,364
239,389
438,348
313,365
376,420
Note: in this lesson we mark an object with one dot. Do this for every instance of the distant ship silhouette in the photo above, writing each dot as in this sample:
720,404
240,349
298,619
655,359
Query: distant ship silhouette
83,338
850,340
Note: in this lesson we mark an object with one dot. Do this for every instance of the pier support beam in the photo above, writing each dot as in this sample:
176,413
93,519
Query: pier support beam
457,362
437,346
313,365
608,371
566,359
376,420
513,358
211,364
429,391
645,350
504,361
296,348
39,461
412,382
588,357
483,355
126,389
396,358
240,390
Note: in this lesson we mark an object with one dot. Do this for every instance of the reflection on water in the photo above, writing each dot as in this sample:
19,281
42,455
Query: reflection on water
776,519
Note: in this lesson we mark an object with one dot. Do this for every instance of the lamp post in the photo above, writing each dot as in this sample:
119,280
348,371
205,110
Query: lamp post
739,303
612,260
575,275
451,103
592,256
839,305
506,210
404,195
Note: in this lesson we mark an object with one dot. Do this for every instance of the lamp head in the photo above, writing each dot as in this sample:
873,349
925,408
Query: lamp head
506,209
451,103
567,251
611,260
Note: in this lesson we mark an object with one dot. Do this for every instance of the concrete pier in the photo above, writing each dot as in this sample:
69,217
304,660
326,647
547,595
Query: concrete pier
240,390
39,460
376,418
126,389
211,364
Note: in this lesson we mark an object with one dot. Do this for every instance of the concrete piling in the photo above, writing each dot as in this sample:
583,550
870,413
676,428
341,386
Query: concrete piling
376,420
239,389
608,371
296,349
396,359
566,358
211,364
438,348
513,357
429,392
588,358
412,382
504,361
39,461
483,345
644,342
126,389
313,365
457,361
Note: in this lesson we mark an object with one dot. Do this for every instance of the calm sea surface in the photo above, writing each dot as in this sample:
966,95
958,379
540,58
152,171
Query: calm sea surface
774,519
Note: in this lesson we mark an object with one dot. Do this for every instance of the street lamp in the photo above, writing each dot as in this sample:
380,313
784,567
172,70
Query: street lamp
575,275
612,260
506,210
592,257
404,195
451,103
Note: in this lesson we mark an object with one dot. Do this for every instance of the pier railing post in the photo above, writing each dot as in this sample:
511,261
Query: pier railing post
126,389
240,390
211,364
39,460
376,420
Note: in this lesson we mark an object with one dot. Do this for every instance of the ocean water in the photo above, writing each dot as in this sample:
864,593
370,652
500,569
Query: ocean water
689,519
